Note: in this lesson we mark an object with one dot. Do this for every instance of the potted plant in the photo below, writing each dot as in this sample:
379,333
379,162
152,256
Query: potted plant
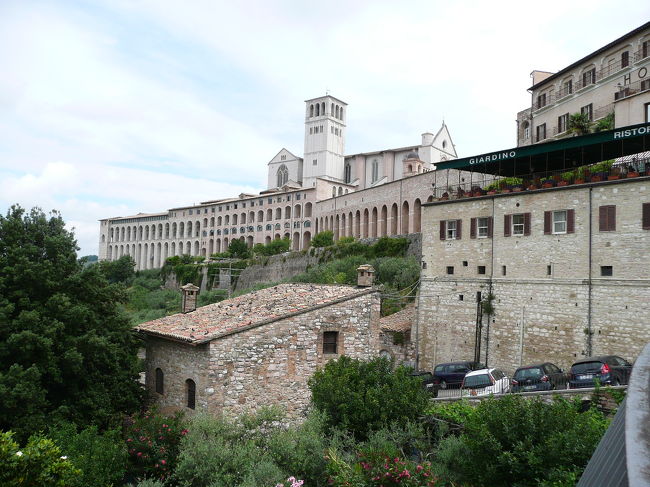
632,172
615,174
445,196
548,183
580,175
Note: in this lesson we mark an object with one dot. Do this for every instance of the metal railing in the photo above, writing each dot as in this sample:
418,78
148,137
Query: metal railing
632,89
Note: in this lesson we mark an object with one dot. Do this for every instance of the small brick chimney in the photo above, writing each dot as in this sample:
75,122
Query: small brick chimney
365,275
190,293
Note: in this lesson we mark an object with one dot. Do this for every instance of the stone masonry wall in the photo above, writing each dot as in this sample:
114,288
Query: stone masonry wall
271,364
538,315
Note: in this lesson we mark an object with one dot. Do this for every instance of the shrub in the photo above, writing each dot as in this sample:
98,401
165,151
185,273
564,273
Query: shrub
210,297
38,464
515,442
323,239
360,396
101,458
120,270
152,441
345,241
238,249
390,247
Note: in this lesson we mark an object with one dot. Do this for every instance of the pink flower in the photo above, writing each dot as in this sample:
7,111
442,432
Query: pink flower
163,462
139,453
419,468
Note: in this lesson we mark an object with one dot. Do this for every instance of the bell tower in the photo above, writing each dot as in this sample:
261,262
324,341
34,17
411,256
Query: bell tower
324,139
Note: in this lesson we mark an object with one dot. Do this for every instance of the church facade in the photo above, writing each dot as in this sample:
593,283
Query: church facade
362,195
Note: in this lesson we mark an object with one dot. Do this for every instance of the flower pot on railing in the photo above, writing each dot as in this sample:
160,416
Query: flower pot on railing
597,177
507,189
492,191
580,181
563,183
633,174
445,196
532,187
612,177
548,183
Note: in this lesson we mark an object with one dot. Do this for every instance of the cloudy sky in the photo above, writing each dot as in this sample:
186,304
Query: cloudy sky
110,108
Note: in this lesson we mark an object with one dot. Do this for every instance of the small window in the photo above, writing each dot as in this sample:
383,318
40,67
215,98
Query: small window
464,263
450,269
589,111
559,221
625,59
160,379
481,269
330,341
314,162
518,224
190,389
549,270
451,229
606,270
541,132
461,297
503,270
482,227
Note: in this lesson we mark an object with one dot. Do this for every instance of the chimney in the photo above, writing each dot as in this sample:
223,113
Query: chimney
190,293
365,275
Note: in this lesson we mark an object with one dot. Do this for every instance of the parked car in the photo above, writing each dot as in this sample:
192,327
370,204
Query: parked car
427,381
539,377
451,374
485,381
607,369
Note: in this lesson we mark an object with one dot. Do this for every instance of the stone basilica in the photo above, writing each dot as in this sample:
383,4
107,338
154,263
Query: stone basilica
369,194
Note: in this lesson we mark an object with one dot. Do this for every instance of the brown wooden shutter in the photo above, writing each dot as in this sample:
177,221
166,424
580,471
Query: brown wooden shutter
602,219
611,218
646,216
547,223
490,225
459,228
443,229
526,224
472,228
570,221
507,225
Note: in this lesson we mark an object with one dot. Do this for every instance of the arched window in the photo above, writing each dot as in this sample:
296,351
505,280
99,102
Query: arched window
348,172
332,109
190,389
322,111
160,381
311,110
337,111
317,109
340,190
341,114
333,191
375,171
283,175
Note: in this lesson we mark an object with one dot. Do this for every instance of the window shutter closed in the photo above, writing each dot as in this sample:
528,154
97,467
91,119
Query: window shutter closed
602,219
646,216
526,224
459,229
570,221
506,225
611,218
547,223
472,228
490,225
443,229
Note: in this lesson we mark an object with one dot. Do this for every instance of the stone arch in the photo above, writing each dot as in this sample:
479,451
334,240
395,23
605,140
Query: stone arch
336,228
405,218
306,240
393,219
225,244
251,217
197,229
219,221
267,239
173,251
235,218
343,225
357,224
242,218
181,248
317,109
384,221
287,212
374,222
308,210
297,211
188,229
340,190
417,216
158,254
249,241
349,231
212,222
278,213
287,235
311,110
210,247
260,216
296,241
430,199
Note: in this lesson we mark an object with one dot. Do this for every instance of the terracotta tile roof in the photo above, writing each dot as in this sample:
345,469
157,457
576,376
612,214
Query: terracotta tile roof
253,309
400,321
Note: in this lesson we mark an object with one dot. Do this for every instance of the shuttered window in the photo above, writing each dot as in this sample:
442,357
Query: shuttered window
517,224
481,227
646,216
450,229
559,222
607,218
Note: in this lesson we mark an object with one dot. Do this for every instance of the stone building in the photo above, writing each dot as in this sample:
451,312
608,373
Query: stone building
551,272
368,194
257,349
614,79
395,336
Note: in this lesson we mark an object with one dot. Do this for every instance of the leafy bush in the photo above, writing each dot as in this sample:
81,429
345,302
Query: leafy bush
152,441
39,464
214,296
360,397
101,458
238,249
518,442
456,412
390,247
120,270
274,247
323,239
345,241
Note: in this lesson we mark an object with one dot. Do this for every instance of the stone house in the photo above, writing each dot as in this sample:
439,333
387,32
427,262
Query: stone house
395,332
257,349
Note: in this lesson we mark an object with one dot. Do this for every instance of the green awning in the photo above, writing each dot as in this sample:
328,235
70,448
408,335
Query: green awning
559,154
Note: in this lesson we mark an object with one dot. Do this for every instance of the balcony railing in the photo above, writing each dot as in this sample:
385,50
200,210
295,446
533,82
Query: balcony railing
640,54
632,89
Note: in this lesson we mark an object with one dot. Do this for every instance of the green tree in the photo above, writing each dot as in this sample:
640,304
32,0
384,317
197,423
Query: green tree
579,123
238,248
360,396
66,351
120,270
323,239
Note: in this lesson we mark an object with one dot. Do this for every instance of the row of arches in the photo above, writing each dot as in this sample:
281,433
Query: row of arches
191,229
318,109
377,221
153,255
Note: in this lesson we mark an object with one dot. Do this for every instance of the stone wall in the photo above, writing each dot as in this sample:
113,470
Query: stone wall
276,268
546,307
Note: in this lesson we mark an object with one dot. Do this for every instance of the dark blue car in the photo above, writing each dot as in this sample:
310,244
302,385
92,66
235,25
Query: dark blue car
452,374
606,369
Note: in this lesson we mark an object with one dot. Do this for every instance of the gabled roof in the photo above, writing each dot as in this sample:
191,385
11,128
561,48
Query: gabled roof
283,151
398,322
442,134
248,311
